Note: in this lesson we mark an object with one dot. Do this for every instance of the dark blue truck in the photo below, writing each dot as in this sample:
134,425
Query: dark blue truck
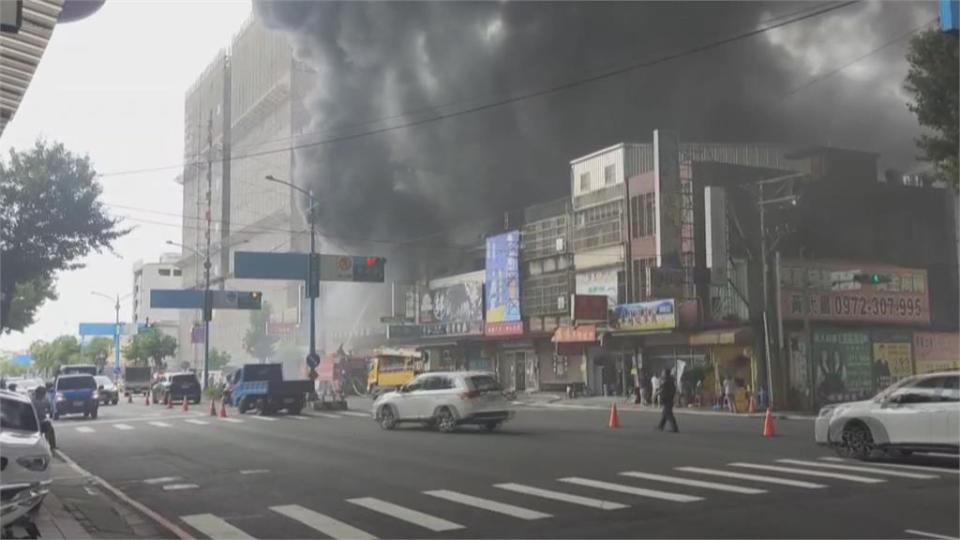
261,387
75,394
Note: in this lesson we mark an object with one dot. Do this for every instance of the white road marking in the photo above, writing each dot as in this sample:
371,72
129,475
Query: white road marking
694,483
179,487
159,424
632,490
356,413
215,527
325,524
231,420
161,480
254,471
327,415
266,418
85,429
123,427
898,466
487,504
196,422
410,516
853,468
297,416
753,477
824,474
560,496
930,534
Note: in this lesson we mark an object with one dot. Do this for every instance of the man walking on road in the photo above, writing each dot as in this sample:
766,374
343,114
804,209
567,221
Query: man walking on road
668,391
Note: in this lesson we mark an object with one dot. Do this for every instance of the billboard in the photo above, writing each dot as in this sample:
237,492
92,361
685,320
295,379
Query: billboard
452,310
599,282
667,195
936,351
892,357
832,295
843,367
503,278
641,316
587,307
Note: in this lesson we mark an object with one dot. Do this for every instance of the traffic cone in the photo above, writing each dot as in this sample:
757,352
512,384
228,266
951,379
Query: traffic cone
614,422
186,404
768,430
223,408
213,407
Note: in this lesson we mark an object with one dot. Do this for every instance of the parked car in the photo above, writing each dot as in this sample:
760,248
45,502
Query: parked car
176,387
262,387
446,400
917,414
108,391
75,394
25,478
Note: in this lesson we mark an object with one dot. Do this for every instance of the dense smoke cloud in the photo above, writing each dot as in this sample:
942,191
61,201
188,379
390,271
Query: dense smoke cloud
365,61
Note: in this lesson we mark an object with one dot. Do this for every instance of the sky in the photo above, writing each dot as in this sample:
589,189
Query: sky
112,86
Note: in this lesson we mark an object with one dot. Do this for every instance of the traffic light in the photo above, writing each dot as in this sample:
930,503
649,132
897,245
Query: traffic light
369,269
249,300
871,279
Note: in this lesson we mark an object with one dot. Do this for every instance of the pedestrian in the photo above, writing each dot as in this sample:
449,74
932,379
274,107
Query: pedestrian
730,391
644,387
655,388
42,406
668,391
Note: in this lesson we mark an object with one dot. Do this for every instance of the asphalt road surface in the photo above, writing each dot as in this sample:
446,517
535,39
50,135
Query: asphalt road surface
550,473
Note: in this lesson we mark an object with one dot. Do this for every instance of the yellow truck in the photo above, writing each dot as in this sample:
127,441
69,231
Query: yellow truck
392,368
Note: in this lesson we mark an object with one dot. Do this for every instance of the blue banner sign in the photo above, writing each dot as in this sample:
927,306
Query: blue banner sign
98,329
503,278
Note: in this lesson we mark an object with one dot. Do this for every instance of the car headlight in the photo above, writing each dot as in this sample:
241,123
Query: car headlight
34,463
60,396
827,410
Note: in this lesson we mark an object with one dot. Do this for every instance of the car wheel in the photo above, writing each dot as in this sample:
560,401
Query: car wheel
857,441
93,414
86,415
115,401
446,422
244,405
386,417
264,408
491,426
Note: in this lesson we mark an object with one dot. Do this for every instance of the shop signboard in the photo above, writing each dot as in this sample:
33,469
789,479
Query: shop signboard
892,357
452,310
833,295
843,369
643,316
589,307
598,282
586,333
503,278
936,351
514,328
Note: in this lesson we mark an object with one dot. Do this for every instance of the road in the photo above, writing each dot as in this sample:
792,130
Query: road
557,473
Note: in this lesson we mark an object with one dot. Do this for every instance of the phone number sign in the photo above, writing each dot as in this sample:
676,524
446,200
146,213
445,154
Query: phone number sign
862,305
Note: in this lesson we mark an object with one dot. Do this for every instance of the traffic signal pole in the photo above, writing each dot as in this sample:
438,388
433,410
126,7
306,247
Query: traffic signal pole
310,263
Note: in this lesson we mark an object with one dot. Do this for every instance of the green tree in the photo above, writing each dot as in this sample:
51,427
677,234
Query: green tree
48,357
10,369
148,345
219,359
932,81
97,351
51,218
256,341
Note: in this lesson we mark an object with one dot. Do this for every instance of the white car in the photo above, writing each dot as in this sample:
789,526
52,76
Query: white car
25,461
917,414
446,400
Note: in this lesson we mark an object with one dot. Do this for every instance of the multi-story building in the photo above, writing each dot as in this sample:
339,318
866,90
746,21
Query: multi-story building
164,274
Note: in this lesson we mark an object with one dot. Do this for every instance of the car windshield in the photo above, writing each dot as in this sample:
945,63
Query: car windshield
183,379
17,415
104,381
76,383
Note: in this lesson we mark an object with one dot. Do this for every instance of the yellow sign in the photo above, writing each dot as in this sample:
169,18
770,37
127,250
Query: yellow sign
896,356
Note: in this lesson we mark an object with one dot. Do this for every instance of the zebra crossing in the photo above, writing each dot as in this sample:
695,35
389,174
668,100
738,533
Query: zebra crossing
682,485
173,421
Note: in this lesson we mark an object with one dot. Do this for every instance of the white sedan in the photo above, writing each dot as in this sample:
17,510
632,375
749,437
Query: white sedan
917,414
446,400
25,464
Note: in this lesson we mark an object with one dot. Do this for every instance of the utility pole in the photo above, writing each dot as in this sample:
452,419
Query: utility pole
207,311
763,296
116,328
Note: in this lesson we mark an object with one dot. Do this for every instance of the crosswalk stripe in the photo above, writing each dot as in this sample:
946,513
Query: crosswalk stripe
487,504
853,468
632,490
85,429
929,534
123,427
197,422
266,418
808,472
410,516
214,527
327,525
560,496
328,415
695,483
899,466
232,420
753,477
159,424
355,413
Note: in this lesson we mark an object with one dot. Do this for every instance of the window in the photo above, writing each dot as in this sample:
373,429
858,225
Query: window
951,388
17,415
484,383
164,271
609,175
177,272
76,383
584,182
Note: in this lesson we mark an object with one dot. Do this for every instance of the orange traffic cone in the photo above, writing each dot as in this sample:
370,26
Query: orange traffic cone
614,417
768,430
223,408
186,404
213,408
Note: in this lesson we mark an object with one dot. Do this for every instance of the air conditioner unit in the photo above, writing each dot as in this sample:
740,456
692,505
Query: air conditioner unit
560,244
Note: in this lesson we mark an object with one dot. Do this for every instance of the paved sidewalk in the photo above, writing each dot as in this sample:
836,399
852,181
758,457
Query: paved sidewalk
536,399
54,521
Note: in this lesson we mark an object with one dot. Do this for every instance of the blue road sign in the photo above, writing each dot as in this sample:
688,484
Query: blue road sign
23,360
98,329
949,13
267,265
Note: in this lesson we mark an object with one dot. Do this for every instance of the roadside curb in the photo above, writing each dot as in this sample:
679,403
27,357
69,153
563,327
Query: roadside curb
654,410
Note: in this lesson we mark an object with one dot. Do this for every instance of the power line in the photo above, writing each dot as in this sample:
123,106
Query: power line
525,96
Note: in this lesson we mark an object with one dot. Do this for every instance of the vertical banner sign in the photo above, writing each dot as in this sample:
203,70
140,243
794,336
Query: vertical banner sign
503,278
799,365
843,370
666,166
892,357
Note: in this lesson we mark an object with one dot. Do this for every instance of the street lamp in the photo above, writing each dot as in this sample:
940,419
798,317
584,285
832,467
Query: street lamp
312,358
116,328
206,308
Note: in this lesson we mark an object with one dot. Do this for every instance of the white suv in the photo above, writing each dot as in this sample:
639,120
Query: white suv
445,400
917,414
25,463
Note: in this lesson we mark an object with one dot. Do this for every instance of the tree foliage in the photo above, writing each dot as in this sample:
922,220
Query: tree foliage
256,341
52,217
933,80
150,345
219,359
49,356
97,350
